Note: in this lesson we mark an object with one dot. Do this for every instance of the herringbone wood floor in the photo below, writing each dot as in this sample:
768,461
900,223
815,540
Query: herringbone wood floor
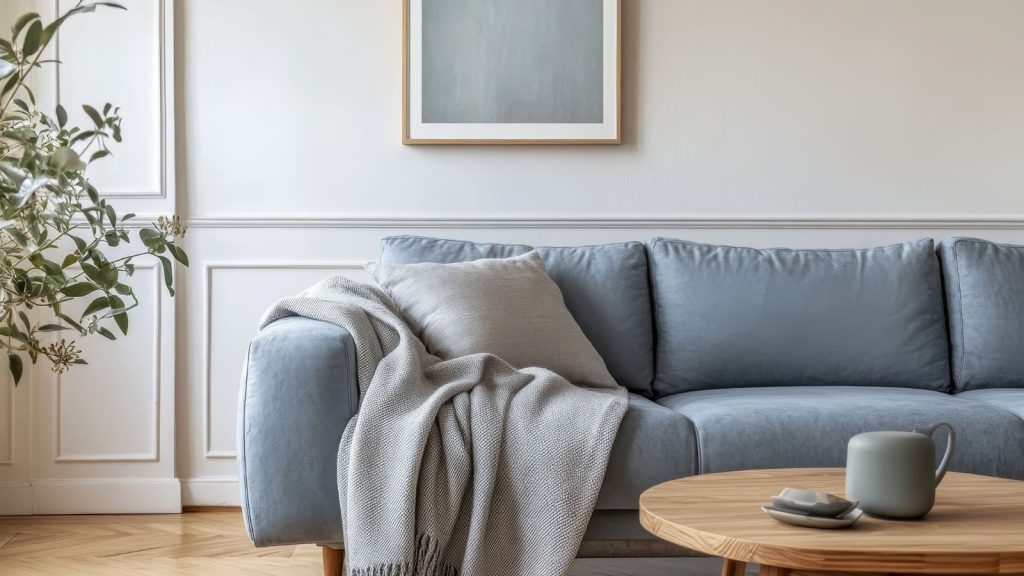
209,543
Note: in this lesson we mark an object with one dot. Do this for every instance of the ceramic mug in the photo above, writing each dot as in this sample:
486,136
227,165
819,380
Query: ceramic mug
893,474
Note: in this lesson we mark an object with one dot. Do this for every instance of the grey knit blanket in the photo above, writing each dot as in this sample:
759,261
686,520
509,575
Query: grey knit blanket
463,466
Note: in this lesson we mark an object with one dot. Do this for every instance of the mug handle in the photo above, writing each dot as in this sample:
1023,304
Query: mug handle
930,431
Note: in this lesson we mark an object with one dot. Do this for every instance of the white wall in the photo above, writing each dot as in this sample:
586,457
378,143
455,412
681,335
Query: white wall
731,107
786,122
797,122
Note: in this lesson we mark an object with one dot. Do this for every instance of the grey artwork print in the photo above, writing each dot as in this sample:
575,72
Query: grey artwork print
512,61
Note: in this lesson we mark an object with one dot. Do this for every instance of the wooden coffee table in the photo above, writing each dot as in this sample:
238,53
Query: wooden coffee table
976,527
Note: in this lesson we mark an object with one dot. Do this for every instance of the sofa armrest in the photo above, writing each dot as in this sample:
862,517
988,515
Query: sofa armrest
299,390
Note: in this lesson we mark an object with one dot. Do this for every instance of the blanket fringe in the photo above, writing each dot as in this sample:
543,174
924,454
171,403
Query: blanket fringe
428,563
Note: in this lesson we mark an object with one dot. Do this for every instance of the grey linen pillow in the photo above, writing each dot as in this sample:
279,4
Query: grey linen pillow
507,307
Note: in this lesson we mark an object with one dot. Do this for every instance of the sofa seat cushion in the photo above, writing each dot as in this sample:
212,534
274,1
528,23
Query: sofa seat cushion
986,311
809,426
605,289
654,445
1009,399
732,317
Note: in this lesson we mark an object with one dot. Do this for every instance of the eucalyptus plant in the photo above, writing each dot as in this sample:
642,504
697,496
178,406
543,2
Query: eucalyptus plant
55,228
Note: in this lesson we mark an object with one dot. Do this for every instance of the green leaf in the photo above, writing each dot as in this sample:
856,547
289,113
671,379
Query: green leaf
52,328
101,303
16,367
121,319
116,303
20,24
178,254
74,324
151,238
82,246
98,155
106,276
33,39
106,333
11,84
94,194
79,289
94,115
18,237
84,135
65,158
62,116
165,262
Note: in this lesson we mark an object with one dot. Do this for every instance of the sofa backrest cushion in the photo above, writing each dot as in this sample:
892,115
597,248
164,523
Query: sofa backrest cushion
736,317
985,303
605,288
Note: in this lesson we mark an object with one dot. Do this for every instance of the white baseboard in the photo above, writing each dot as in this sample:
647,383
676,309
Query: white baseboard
106,496
15,499
210,491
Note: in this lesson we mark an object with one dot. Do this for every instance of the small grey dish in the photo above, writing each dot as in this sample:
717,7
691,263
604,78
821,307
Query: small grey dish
825,523
812,502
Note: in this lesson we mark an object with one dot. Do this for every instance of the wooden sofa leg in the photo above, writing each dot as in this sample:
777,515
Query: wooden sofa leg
334,561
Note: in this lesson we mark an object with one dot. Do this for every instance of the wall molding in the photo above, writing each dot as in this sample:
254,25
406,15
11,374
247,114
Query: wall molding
639,221
153,454
207,304
165,63
7,382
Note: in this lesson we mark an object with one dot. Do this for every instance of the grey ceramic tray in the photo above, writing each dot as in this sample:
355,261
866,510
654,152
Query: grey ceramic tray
812,502
805,520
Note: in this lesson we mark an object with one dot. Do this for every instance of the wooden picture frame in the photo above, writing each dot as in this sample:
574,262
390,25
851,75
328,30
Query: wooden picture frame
595,118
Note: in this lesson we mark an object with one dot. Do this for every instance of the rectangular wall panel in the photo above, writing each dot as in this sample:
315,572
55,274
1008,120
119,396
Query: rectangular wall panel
235,297
124,426
7,414
116,56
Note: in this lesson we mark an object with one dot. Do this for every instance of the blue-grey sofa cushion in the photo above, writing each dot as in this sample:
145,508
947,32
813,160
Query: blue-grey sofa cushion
654,444
809,426
736,317
985,299
605,288
1009,399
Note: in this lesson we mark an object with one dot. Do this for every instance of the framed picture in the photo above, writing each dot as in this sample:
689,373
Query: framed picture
511,72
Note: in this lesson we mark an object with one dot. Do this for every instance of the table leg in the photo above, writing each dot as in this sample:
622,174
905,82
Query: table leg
733,567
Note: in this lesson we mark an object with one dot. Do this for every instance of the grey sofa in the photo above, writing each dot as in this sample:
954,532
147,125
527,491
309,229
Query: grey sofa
735,358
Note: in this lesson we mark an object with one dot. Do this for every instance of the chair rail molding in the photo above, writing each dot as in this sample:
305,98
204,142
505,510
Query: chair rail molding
604,221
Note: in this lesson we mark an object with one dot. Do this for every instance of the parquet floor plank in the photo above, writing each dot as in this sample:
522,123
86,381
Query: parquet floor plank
209,543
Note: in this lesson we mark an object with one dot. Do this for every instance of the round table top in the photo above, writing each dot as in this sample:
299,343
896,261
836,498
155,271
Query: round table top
976,526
